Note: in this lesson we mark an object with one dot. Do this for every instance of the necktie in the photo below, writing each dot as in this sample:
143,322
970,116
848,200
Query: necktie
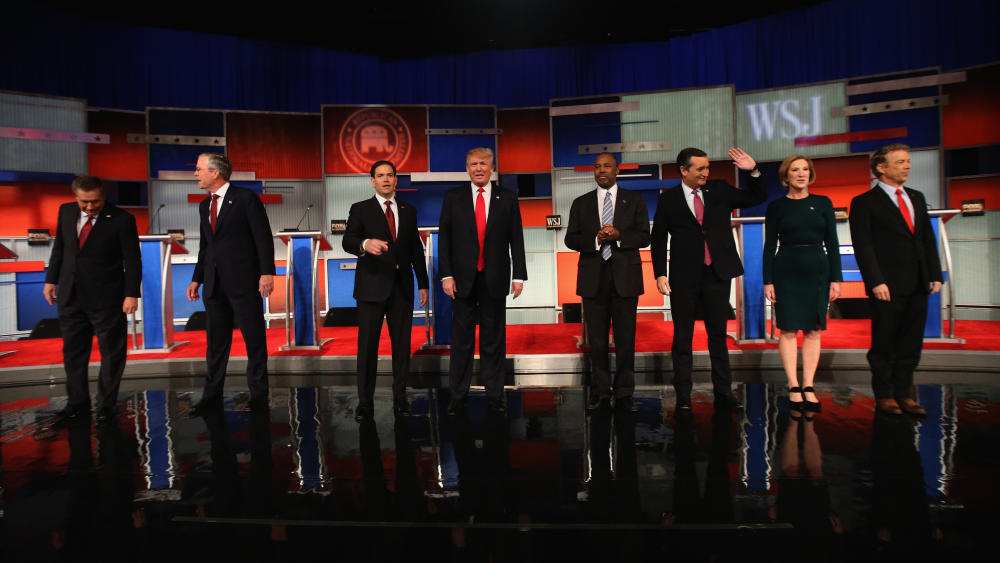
85,231
699,214
607,218
481,227
904,209
213,212
391,219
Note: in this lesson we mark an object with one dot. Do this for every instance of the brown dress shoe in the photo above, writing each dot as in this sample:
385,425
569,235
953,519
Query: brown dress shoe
912,407
889,406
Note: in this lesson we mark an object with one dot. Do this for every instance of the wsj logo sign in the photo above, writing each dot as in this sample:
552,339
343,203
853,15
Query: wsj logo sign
786,118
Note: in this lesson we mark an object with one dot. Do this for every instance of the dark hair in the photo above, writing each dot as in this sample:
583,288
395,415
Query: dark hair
881,156
380,163
84,183
217,161
684,157
611,154
787,163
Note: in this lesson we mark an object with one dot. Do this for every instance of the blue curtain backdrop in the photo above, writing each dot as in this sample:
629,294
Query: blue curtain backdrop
131,67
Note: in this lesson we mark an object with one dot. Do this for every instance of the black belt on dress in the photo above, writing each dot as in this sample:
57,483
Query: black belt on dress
800,244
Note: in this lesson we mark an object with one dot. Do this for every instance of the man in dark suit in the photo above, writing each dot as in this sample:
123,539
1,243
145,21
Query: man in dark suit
703,261
480,234
95,265
897,254
236,265
382,232
607,228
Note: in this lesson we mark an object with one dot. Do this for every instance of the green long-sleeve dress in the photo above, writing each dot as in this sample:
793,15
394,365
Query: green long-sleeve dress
800,269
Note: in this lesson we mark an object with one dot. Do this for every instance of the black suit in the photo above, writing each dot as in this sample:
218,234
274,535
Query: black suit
887,252
93,284
691,281
230,263
383,288
458,249
610,289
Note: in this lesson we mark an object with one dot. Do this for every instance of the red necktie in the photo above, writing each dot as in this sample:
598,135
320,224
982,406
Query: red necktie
85,231
391,220
481,227
699,214
213,212
904,209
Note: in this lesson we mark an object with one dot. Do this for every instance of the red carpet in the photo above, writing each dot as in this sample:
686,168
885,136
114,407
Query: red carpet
521,339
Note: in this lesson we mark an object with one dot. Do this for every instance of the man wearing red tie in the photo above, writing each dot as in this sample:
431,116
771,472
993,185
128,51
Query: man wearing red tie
480,235
897,254
382,233
95,265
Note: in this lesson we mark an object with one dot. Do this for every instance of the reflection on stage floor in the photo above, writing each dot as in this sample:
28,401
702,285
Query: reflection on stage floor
544,480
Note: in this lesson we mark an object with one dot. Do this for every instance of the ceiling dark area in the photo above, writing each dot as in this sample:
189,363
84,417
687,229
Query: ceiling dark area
397,29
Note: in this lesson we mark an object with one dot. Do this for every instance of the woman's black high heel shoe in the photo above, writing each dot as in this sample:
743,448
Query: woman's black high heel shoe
800,405
810,406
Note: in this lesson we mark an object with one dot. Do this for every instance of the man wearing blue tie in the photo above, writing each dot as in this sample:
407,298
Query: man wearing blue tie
608,227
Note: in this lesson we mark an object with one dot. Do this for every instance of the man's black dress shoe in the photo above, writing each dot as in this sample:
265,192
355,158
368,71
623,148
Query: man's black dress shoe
205,406
496,405
456,406
258,405
683,406
626,404
728,402
104,414
401,408
597,403
73,411
363,413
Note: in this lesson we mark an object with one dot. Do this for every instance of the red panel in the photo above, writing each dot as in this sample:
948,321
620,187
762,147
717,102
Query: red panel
119,159
351,122
524,145
841,178
987,188
538,402
29,266
852,289
269,198
534,211
275,145
852,137
141,215
31,205
196,197
972,115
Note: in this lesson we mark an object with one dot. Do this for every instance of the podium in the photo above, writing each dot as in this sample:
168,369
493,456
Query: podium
157,295
302,289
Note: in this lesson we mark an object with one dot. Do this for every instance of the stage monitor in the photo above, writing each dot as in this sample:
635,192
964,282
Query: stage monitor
701,118
769,122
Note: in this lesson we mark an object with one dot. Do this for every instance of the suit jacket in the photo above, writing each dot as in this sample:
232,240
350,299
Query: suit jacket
240,250
374,278
687,237
632,221
458,245
886,251
108,267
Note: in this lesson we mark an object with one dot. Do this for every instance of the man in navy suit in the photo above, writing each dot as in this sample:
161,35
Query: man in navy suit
96,267
703,261
480,235
607,228
382,232
236,265
897,254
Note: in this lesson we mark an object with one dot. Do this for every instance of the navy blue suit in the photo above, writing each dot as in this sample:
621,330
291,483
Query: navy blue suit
230,263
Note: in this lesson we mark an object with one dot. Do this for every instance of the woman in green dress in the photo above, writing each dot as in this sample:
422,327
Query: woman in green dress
800,277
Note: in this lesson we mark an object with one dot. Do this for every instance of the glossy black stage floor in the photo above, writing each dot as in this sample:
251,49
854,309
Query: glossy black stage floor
544,482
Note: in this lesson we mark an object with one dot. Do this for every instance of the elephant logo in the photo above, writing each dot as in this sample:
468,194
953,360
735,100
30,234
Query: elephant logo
373,134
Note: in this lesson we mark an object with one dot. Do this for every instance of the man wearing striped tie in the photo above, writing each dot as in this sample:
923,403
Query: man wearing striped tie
96,268
897,254
607,227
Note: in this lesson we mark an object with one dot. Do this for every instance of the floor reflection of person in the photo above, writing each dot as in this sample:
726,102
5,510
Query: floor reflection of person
613,491
483,477
803,494
900,511
801,277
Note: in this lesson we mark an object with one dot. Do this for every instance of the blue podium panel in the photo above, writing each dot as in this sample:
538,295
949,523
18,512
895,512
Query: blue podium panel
309,450
932,328
183,309
31,304
302,268
753,281
152,295
442,303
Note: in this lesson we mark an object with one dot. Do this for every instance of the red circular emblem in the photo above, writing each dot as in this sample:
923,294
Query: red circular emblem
373,134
